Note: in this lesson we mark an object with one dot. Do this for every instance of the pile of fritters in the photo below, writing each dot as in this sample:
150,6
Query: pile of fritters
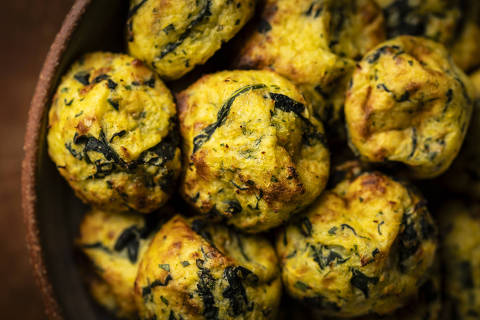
287,181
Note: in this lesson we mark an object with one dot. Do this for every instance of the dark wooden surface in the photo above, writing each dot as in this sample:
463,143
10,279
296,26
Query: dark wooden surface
27,28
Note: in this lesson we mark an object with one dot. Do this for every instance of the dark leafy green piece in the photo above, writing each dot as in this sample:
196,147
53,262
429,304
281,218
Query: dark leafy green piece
286,104
222,114
302,286
235,291
325,255
82,77
408,240
380,51
234,207
361,281
135,8
202,15
305,227
157,283
205,286
264,26
165,267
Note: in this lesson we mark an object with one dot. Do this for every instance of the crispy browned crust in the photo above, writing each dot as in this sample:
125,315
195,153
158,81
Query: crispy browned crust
38,109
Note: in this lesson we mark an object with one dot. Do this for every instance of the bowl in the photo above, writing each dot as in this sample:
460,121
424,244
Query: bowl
51,211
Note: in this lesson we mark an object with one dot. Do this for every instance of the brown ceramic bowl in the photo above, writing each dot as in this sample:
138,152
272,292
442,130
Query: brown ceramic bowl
51,211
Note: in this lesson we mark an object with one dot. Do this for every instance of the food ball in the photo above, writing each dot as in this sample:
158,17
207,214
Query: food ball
363,247
254,154
196,270
113,133
408,103
426,305
434,19
460,236
314,44
115,243
103,295
466,47
175,36
464,175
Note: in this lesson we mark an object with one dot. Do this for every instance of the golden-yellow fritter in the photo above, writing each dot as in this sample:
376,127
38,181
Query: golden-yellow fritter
409,103
434,19
196,270
460,236
314,44
113,133
426,305
466,47
103,294
175,36
464,175
363,247
115,243
454,23
253,152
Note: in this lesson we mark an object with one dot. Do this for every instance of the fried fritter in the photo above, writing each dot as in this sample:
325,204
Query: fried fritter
113,133
454,23
464,175
460,236
175,36
409,103
363,247
426,305
197,270
434,19
115,243
102,294
314,44
466,47
254,154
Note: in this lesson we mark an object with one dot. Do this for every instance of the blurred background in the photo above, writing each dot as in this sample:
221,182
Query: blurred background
27,28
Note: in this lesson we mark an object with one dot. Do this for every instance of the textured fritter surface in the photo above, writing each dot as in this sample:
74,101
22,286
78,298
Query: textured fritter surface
363,247
455,23
466,47
460,235
103,295
114,243
434,19
253,152
174,36
464,175
409,103
113,133
195,270
426,305
314,43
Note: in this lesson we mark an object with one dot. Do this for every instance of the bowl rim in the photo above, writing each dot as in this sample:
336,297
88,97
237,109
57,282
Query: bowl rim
36,112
